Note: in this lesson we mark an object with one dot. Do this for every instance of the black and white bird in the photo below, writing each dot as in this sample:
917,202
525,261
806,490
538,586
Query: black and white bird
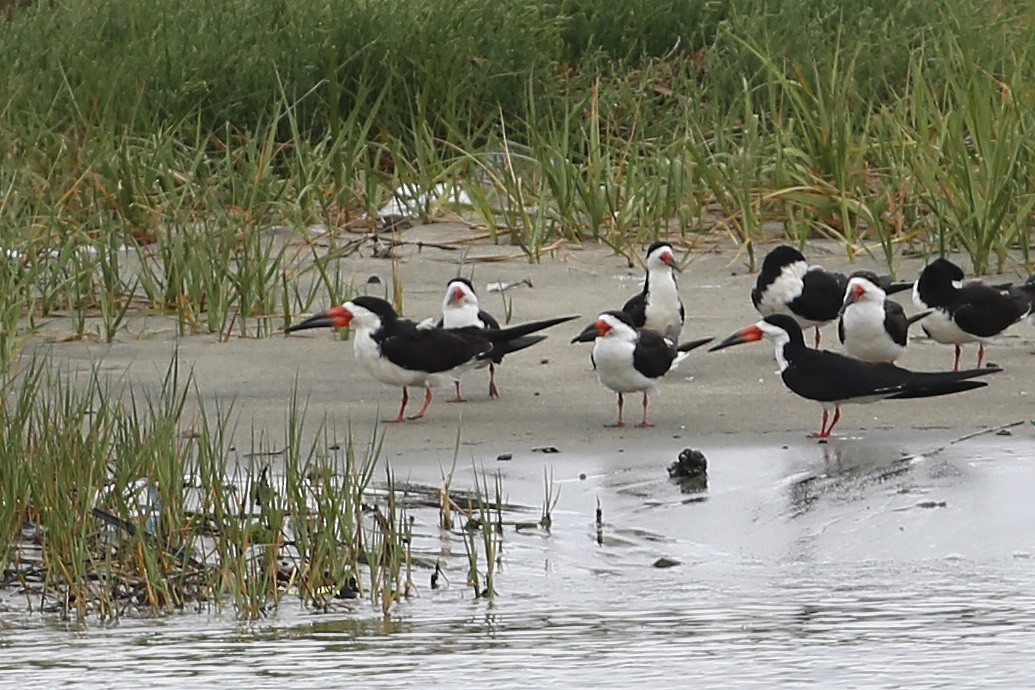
812,295
1024,295
872,327
658,306
963,311
628,359
395,351
460,309
833,379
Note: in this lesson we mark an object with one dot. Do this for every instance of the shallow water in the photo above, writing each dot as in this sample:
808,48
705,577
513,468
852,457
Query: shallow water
888,560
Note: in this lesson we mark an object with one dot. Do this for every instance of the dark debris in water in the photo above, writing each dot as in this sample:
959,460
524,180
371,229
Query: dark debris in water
690,463
690,471
931,504
666,563
351,590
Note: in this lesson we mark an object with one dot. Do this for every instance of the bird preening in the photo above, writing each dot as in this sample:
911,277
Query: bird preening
635,347
966,311
813,296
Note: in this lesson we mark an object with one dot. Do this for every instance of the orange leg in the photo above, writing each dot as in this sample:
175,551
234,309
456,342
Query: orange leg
817,337
645,423
981,355
837,416
402,408
621,403
822,426
458,398
426,405
494,392
824,430
956,362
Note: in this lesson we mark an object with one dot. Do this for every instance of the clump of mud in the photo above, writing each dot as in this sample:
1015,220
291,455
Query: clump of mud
690,471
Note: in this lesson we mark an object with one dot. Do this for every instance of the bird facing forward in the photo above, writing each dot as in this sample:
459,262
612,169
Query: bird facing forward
627,359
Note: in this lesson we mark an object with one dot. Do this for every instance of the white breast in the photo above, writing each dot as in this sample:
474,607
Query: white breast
942,329
614,366
865,337
460,317
663,306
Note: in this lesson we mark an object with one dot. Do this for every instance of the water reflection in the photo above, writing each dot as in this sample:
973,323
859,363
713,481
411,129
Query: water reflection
810,565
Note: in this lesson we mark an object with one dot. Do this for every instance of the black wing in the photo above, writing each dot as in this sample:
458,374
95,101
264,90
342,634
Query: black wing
434,350
756,297
508,346
500,334
895,322
831,377
1024,296
487,320
770,272
636,308
984,311
821,296
653,354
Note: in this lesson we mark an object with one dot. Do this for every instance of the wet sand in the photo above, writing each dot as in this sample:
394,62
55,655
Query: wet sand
550,396
896,554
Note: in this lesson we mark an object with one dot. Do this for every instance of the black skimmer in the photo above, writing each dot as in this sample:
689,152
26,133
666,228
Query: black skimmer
460,309
963,311
395,351
658,306
872,327
813,296
1025,296
628,359
833,379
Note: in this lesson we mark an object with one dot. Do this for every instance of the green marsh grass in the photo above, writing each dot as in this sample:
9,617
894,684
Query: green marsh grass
973,163
483,534
128,502
551,495
874,125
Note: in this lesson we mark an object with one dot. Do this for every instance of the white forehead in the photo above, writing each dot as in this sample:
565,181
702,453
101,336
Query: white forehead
771,331
867,285
361,315
462,286
615,323
659,252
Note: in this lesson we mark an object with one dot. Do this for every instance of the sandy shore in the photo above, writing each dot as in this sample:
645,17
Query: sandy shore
549,393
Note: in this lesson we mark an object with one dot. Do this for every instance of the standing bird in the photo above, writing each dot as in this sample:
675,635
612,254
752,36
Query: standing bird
963,312
872,327
395,351
658,306
628,359
1024,295
788,285
832,379
460,309
813,296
